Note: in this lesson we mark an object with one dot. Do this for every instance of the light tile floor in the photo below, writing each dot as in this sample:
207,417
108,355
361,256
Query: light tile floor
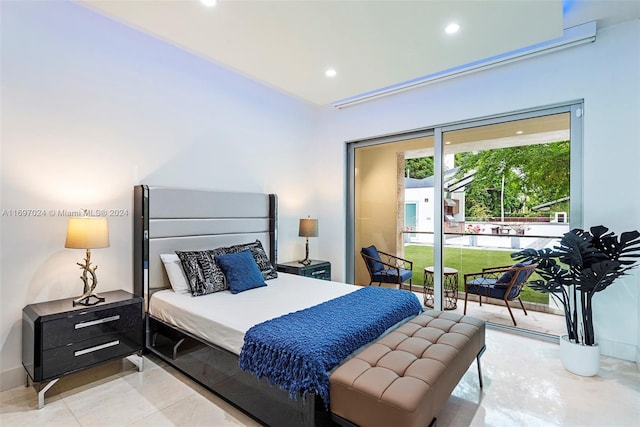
495,311
524,385
535,321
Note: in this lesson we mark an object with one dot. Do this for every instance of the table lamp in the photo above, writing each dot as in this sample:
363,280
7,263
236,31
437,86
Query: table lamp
308,228
87,233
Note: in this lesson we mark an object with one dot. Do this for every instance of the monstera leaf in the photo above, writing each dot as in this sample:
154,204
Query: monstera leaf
625,251
598,277
545,258
576,249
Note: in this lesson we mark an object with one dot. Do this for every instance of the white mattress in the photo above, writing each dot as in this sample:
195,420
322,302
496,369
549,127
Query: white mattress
223,318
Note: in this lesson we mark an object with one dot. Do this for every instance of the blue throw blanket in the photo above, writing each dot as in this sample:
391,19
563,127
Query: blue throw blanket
296,351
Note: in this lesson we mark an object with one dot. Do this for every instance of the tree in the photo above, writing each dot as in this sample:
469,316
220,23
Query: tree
419,168
533,174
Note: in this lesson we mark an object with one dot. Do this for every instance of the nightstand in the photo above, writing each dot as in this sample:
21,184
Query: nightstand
59,339
317,269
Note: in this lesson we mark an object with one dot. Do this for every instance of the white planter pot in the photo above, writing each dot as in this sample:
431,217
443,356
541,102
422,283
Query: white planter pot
579,359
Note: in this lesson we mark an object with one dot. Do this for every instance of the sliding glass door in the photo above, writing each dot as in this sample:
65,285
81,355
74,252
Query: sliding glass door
464,197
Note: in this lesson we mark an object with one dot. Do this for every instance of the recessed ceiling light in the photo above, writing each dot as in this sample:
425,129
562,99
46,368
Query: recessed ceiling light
520,132
209,3
452,28
330,72
447,142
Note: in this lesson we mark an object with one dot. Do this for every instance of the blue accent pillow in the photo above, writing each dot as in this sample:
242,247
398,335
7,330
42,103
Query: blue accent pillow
372,251
259,255
506,277
241,271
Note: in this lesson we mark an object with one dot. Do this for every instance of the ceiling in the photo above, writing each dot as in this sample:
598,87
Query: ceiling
371,44
536,130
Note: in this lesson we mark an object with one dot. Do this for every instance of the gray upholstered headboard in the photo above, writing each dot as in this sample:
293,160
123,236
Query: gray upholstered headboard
170,219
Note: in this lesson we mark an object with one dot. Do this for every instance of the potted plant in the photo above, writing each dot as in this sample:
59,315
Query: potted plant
519,230
585,262
472,230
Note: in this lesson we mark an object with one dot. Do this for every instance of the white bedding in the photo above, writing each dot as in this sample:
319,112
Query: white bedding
223,318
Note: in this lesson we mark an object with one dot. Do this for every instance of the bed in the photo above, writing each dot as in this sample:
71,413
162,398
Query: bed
181,330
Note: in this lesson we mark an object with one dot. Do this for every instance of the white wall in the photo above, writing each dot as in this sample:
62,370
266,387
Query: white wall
606,74
91,108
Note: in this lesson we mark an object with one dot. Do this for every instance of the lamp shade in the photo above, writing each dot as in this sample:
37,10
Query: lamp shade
308,227
87,233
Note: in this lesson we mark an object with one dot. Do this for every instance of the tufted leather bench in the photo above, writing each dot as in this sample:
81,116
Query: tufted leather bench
405,377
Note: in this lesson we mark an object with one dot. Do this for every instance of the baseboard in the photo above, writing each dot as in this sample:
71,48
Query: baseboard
13,378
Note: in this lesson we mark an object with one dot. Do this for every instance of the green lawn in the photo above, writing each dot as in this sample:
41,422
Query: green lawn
467,261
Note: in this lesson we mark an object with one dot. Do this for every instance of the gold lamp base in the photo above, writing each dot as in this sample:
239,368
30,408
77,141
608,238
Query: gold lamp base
86,299
88,294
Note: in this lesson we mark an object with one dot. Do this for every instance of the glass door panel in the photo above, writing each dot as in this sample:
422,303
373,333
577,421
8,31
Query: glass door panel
385,214
505,188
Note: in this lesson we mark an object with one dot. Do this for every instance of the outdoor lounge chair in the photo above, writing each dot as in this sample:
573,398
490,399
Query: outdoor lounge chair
386,268
503,283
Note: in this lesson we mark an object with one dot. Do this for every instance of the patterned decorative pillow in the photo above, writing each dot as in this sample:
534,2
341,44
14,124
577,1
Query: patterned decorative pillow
203,273
241,271
243,247
259,255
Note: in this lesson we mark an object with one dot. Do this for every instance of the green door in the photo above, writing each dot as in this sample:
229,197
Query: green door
410,219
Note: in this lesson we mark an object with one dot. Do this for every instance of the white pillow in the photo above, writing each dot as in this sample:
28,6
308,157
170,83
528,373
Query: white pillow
173,267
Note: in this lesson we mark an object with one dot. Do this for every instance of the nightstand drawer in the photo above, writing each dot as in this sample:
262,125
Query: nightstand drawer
316,269
319,272
69,358
81,326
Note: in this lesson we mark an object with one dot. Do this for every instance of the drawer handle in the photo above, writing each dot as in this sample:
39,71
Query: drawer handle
315,273
97,322
96,348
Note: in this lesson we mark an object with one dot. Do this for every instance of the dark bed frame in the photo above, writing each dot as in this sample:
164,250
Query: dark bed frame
169,219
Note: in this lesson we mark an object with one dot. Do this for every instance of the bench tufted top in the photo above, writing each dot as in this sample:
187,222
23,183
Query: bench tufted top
409,373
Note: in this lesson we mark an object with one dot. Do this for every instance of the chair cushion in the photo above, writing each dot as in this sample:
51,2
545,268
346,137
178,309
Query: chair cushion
372,251
515,292
486,290
491,290
482,281
507,276
523,275
391,275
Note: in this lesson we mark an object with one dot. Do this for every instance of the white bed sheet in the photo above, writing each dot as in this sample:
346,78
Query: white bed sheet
223,318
